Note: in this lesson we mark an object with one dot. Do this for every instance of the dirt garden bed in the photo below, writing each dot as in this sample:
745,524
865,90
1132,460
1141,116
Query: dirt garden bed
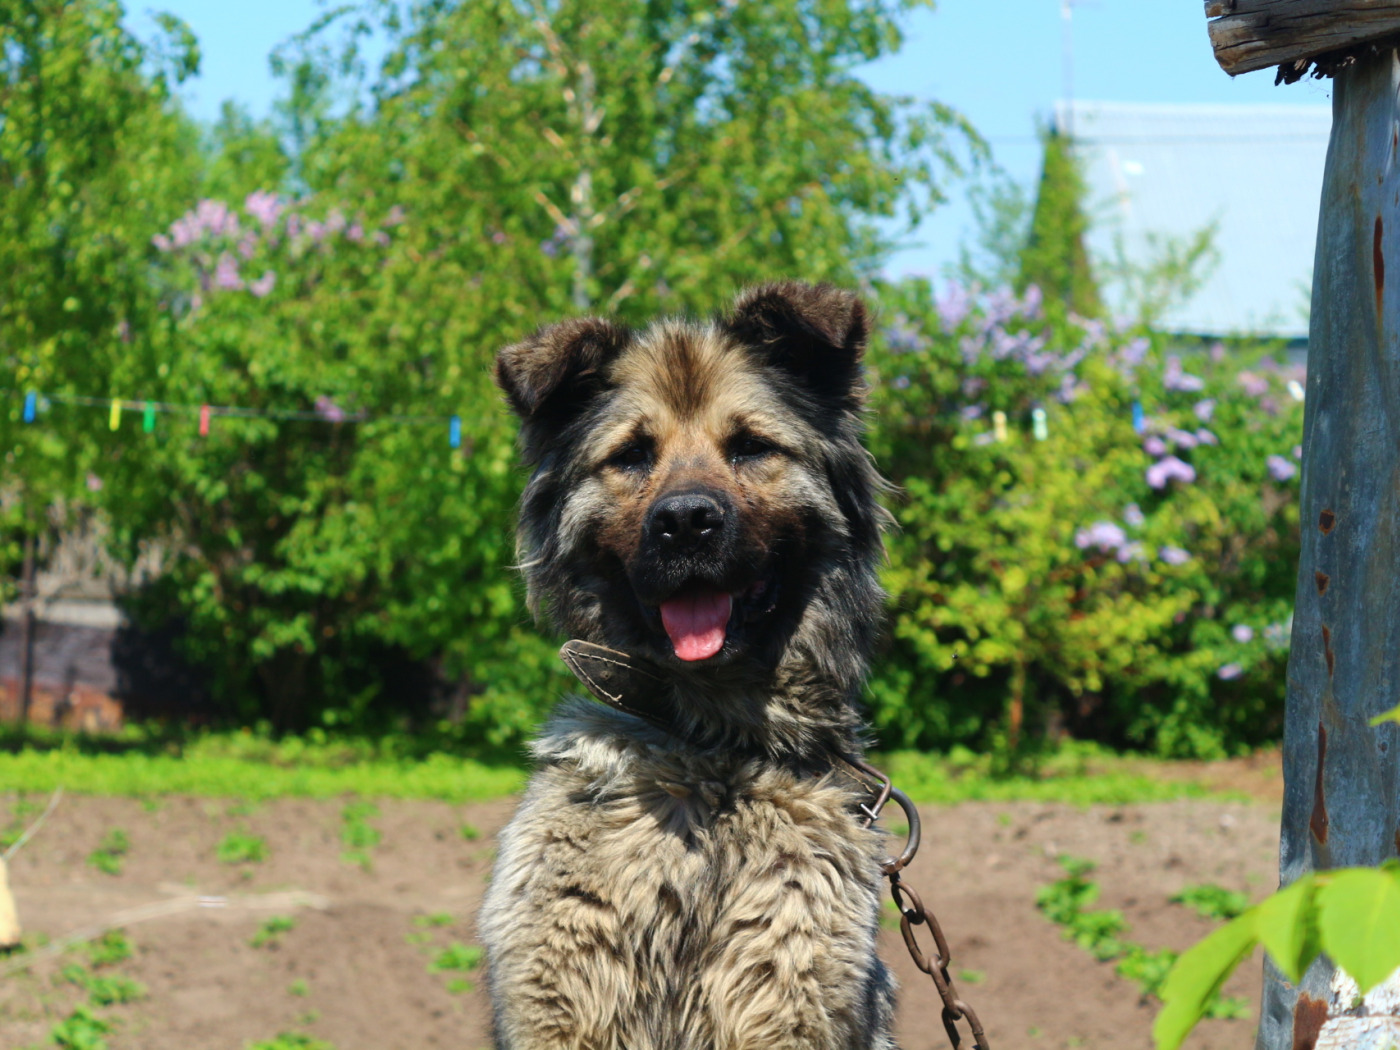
377,953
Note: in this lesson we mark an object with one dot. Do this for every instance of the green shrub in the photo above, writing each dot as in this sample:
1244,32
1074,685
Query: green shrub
1097,530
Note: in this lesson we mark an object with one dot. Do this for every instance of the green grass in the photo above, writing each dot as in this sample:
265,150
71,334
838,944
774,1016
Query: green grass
291,1041
1079,774
255,767
357,834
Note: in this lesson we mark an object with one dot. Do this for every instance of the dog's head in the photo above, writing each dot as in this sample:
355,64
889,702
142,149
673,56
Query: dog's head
700,496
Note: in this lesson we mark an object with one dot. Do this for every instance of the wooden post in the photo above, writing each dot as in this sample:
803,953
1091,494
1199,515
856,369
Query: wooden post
1341,776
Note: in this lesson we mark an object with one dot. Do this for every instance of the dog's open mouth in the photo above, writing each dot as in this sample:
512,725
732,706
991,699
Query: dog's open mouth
699,618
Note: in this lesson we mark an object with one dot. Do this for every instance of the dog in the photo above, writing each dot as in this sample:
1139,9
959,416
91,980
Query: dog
688,868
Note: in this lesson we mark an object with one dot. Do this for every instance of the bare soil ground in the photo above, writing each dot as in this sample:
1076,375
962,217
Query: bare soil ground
354,970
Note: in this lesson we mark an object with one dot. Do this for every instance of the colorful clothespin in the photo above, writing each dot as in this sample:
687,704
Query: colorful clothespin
454,432
999,425
114,418
31,406
1038,424
1139,417
148,418
203,420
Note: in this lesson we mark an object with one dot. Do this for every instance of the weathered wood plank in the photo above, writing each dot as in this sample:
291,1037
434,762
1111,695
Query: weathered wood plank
1341,775
1256,34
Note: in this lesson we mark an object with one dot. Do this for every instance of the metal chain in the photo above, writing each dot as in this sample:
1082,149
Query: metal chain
912,913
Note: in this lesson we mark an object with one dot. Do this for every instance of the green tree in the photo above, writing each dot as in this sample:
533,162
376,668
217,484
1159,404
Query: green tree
94,158
507,165
1054,258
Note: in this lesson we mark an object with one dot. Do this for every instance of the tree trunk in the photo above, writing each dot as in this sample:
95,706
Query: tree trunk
27,627
1341,790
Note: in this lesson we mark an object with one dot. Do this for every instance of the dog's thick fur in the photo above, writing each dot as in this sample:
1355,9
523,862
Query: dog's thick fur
707,885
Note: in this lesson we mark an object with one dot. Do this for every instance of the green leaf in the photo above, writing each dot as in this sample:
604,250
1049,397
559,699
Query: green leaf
1393,715
1287,926
1359,920
1197,977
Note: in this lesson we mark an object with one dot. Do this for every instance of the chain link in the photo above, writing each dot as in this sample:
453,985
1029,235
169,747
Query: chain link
912,913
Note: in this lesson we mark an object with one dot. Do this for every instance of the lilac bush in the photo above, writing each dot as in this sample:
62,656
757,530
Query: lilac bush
1098,527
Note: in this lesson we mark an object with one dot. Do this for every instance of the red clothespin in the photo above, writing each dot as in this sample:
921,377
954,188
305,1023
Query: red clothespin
203,420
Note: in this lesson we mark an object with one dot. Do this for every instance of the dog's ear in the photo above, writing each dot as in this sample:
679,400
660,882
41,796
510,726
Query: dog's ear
816,333
550,376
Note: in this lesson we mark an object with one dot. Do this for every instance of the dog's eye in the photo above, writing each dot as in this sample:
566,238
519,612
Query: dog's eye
637,454
748,446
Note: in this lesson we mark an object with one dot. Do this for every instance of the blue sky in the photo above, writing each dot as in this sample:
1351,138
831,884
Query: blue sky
999,63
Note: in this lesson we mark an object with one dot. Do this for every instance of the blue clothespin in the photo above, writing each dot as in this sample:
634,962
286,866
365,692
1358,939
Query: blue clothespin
1139,417
454,432
31,406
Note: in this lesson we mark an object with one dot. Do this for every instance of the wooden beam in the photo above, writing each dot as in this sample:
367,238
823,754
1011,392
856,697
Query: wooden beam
1256,34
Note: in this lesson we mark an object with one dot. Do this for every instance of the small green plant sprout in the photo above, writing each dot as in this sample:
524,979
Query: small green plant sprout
1210,901
111,948
972,976
299,988
457,957
458,985
103,990
239,847
270,932
469,832
108,856
1066,902
81,1030
357,834
436,920
291,1041
1352,914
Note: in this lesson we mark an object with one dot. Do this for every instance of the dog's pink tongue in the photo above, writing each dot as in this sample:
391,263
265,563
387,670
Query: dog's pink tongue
696,621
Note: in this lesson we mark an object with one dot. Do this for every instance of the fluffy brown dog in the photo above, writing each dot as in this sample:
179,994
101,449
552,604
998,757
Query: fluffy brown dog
695,875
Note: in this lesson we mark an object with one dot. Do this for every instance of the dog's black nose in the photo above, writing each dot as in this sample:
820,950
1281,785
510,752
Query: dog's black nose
686,521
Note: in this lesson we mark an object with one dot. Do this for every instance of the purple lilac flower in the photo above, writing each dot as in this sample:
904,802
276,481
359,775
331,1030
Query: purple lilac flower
1205,408
1154,446
315,231
973,385
499,237
295,225
162,242
226,273
1175,379
1242,633
1165,470
355,233
971,412
263,285
1254,386
94,483
1134,353
328,410
335,221
1070,388
1205,437
1104,535
395,215
381,238
1297,451
903,336
1181,438
1280,469
265,207
1131,552
1133,515
1217,352
215,217
1001,306
1230,671
248,245
1174,555
1030,302
901,383
953,305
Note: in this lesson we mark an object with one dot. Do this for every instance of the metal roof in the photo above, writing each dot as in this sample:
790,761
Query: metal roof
1156,171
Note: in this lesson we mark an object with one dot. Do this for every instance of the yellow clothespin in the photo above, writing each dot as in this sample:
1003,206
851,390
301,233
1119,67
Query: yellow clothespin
115,419
999,425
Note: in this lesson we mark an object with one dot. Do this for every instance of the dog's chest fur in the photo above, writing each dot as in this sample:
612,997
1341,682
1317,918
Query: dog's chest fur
649,896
